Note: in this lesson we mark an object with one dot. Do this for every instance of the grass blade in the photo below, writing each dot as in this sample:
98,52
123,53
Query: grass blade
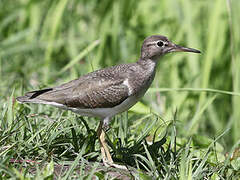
80,56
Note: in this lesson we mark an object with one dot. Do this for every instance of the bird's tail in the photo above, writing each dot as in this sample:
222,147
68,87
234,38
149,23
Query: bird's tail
31,97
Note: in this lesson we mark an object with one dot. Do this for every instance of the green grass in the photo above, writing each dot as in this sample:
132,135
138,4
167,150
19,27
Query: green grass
185,127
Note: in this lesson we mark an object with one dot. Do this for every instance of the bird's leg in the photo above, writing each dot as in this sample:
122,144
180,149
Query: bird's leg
105,128
99,134
107,159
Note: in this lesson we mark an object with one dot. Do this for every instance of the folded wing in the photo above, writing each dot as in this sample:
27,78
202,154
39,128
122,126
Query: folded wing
85,92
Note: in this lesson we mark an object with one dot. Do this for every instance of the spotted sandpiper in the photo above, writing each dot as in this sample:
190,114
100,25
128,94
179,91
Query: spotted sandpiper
109,91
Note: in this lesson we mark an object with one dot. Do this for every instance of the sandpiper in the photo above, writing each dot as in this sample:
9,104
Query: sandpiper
109,91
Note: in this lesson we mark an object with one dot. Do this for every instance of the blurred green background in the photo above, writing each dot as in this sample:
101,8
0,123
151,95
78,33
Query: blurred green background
47,42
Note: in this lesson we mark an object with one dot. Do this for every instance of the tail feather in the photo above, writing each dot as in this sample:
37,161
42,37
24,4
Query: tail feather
32,96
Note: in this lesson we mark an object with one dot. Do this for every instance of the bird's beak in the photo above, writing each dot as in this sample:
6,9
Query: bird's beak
177,48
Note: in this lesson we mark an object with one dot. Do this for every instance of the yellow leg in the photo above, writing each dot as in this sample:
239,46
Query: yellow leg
107,158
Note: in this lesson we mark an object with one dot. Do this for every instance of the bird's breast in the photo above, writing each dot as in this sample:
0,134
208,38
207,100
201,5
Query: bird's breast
142,79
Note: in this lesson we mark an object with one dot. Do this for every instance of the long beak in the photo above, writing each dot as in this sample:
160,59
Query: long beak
177,48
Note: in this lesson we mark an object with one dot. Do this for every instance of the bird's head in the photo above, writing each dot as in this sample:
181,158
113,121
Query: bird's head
156,46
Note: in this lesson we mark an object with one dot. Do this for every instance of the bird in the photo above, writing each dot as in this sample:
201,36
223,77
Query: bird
106,92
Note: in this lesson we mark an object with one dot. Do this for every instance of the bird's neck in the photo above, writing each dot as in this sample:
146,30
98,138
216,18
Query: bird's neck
148,67
145,73
147,64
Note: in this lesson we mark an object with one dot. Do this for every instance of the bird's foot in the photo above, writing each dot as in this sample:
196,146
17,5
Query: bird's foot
119,166
113,165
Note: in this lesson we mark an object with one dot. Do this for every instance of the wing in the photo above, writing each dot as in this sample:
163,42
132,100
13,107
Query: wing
94,90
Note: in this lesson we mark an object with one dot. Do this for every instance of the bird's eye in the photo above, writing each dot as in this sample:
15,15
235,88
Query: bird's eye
160,43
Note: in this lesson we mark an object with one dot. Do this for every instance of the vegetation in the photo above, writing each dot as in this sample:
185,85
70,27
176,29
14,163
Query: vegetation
185,127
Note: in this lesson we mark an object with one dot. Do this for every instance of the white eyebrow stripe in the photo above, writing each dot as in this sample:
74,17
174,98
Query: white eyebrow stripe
151,43
155,42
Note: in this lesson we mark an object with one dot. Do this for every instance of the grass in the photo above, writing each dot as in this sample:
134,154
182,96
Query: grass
185,127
